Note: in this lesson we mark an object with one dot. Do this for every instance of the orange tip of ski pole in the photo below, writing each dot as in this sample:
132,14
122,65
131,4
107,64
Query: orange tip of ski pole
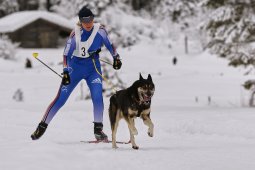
35,55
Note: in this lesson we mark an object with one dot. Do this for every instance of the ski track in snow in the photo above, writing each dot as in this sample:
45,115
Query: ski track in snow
189,135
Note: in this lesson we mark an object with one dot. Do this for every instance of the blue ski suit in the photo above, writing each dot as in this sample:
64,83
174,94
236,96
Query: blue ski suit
82,68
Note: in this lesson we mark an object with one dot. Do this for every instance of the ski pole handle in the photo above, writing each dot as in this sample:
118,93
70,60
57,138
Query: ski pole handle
35,55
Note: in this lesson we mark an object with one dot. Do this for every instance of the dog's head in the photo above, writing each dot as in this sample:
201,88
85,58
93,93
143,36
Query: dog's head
145,89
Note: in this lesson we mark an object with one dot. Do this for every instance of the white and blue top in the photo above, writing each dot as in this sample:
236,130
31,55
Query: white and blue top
81,43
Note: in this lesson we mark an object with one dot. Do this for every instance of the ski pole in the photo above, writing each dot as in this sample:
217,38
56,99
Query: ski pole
105,62
35,55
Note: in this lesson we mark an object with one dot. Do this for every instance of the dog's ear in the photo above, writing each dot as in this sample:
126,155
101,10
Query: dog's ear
149,78
141,77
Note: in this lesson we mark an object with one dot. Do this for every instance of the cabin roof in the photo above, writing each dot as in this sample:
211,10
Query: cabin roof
17,20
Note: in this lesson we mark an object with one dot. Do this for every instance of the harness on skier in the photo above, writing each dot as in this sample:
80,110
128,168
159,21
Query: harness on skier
92,54
104,78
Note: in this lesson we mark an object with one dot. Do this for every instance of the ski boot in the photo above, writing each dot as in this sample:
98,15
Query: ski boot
98,132
39,131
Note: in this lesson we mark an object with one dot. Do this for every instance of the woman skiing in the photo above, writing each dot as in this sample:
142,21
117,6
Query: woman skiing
81,61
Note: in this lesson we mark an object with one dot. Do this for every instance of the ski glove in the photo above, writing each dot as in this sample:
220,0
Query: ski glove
66,77
116,62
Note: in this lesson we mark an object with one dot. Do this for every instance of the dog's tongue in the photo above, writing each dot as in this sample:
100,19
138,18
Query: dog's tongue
146,98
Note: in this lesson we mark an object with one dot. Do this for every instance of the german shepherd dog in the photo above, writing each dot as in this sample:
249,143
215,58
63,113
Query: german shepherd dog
130,103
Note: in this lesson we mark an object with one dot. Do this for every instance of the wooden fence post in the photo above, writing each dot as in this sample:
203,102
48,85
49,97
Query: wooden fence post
186,45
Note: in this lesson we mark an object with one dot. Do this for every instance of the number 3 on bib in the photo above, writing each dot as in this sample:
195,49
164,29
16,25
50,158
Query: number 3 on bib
83,51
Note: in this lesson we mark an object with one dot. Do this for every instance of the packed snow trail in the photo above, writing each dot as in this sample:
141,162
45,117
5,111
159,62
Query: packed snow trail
189,133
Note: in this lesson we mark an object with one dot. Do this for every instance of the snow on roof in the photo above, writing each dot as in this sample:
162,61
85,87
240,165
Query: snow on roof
17,20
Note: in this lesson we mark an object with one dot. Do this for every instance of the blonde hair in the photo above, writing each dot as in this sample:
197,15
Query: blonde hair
79,23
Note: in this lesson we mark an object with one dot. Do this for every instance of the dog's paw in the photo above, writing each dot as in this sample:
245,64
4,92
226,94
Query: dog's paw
115,147
135,147
150,133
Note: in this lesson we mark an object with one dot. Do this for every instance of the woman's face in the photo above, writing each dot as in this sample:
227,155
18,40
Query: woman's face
88,26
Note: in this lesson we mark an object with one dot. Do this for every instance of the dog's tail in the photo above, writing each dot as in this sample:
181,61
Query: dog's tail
113,111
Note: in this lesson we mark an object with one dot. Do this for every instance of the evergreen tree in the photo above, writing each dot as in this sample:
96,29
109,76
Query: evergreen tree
7,48
70,8
177,18
230,30
8,6
177,10
25,5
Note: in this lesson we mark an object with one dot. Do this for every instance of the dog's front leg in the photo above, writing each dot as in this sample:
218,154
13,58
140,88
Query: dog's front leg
132,139
147,121
132,131
131,125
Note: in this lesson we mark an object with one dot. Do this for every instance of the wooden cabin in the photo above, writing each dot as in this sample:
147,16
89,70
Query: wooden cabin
36,29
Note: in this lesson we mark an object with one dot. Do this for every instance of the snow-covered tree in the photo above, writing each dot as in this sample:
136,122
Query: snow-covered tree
25,5
177,10
7,48
70,8
177,20
230,30
140,4
114,82
8,6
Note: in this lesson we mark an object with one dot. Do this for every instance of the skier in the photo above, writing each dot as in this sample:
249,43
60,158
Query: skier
81,61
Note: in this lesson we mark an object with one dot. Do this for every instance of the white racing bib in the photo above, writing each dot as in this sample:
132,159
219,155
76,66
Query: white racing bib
82,47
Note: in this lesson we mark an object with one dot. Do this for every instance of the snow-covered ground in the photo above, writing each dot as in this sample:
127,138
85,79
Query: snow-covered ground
190,132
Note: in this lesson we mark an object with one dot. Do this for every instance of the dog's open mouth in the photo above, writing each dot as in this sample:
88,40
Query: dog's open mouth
146,99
